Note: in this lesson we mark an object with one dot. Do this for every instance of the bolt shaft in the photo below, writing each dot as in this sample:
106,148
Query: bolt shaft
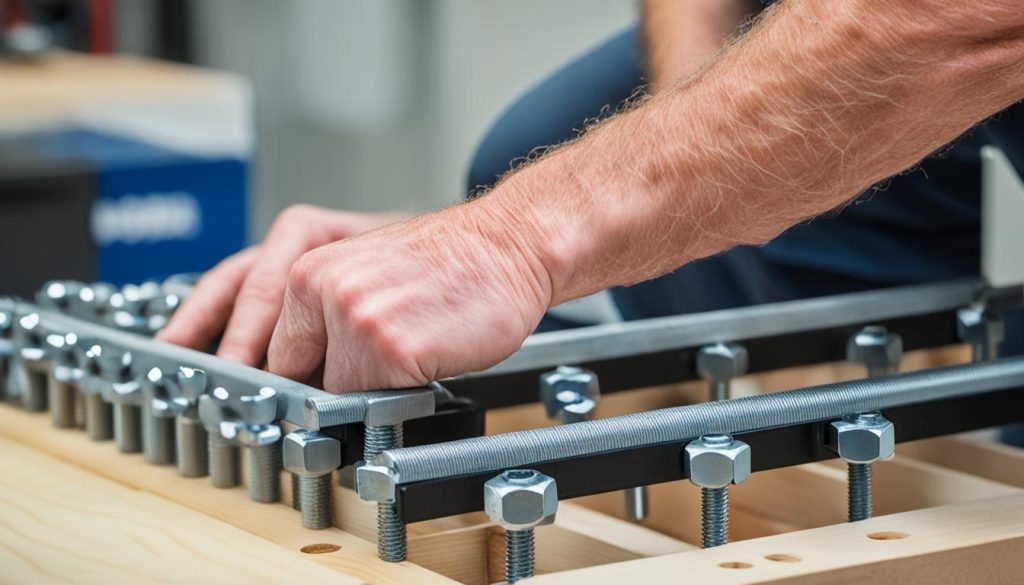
35,397
391,537
99,418
223,460
158,439
193,456
265,472
62,403
80,399
296,502
636,503
859,491
714,508
719,389
128,428
314,500
519,554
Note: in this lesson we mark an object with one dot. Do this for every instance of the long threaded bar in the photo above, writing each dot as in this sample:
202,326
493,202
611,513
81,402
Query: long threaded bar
265,472
525,448
391,538
314,497
128,428
859,491
519,555
99,418
224,472
714,508
193,454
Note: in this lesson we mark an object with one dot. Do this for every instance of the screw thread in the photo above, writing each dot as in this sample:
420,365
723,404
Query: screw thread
636,503
223,460
314,498
714,503
518,554
265,472
62,403
382,438
128,428
296,501
391,541
859,490
193,455
158,439
99,418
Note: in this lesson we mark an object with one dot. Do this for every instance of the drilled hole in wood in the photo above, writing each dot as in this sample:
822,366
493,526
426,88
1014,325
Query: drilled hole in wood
735,565
320,548
887,535
783,558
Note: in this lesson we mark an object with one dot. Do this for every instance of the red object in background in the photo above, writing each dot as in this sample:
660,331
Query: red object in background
13,14
101,26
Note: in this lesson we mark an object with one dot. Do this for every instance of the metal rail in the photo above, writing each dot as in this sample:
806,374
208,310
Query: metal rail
451,462
659,351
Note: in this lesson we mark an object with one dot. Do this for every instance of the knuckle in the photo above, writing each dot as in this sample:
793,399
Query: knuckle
297,214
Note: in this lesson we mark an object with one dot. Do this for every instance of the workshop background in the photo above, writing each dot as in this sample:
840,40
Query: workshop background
368,106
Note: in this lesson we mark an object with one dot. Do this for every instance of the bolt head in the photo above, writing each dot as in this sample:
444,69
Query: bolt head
722,361
864,438
311,453
876,348
259,408
569,391
976,325
521,499
716,461
376,483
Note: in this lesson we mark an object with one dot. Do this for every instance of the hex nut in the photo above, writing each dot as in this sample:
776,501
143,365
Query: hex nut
979,326
311,453
716,461
520,499
722,361
863,438
571,389
876,348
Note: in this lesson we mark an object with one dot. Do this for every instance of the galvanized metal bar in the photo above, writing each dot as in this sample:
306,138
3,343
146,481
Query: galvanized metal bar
676,425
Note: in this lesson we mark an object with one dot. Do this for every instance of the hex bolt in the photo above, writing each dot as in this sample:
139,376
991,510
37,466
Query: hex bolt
984,330
876,348
128,428
713,462
719,364
99,418
158,440
860,440
311,457
98,414
519,500
125,393
62,402
265,472
391,537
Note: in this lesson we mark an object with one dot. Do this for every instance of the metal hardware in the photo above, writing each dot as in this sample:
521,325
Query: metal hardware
713,462
982,329
311,457
719,364
520,500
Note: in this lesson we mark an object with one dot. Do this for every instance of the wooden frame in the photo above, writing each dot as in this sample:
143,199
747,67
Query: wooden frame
949,510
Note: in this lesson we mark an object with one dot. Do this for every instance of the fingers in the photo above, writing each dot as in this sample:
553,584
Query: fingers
261,296
299,340
202,315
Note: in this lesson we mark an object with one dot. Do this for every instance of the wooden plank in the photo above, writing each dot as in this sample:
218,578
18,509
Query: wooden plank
277,523
975,542
60,524
981,458
461,554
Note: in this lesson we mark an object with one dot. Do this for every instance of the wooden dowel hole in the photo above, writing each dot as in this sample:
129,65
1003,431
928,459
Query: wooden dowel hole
887,535
783,558
735,565
320,548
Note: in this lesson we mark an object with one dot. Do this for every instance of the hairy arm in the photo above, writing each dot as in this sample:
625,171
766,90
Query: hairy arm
681,35
818,102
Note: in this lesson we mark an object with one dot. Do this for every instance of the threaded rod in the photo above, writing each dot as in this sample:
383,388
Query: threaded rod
714,507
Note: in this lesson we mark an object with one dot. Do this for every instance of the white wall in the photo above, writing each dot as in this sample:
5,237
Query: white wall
377,105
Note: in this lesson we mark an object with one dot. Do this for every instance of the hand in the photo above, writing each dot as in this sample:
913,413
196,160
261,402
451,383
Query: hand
435,296
249,286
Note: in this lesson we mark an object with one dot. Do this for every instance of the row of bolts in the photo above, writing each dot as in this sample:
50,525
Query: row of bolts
168,426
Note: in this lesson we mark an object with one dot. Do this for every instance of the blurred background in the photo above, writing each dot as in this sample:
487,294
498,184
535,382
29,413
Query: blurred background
119,168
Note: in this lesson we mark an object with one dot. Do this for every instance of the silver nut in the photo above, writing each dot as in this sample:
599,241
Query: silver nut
571,389
976,325
715,461
311,453
864,438
875,347
722,361
521,498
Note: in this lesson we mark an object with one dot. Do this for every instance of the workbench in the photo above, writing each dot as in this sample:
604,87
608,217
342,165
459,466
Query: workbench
948,510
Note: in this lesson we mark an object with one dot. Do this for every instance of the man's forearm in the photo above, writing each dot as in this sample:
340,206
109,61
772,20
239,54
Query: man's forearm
816,104
680,35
